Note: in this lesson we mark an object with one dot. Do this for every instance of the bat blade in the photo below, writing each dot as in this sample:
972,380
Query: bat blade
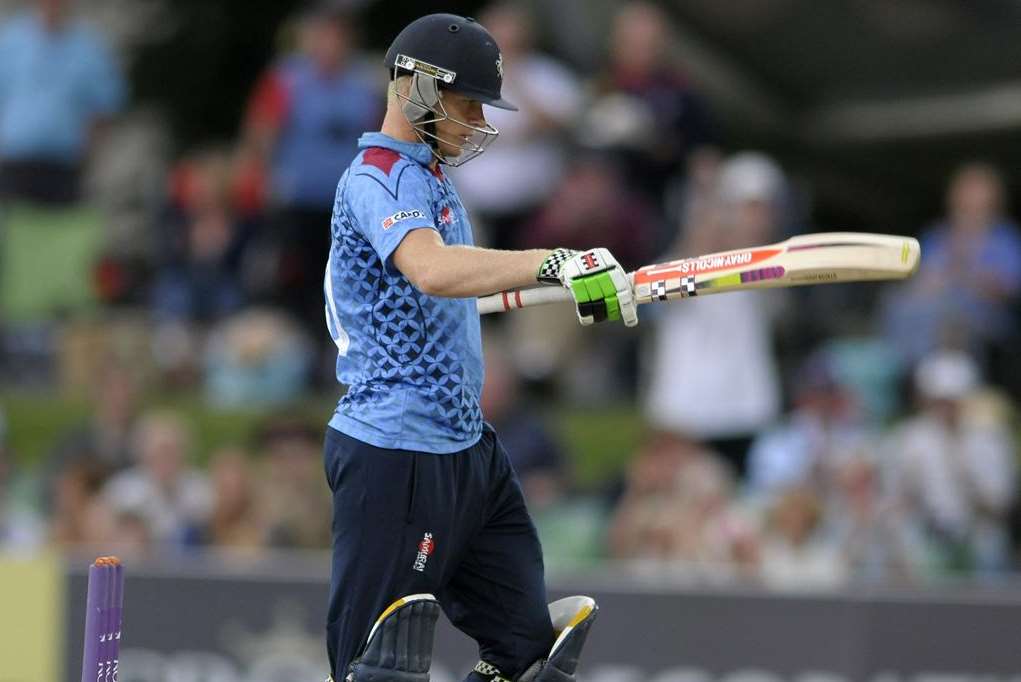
827,257
807,259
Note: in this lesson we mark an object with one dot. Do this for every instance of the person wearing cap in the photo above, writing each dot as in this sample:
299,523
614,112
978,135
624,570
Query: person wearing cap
810,445
736,400
953,467
428,512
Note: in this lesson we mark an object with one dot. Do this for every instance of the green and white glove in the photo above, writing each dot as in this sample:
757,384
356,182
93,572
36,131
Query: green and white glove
601,288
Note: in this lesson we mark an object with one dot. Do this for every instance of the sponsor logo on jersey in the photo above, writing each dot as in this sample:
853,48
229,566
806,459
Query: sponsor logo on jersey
425,548
390,221
446,216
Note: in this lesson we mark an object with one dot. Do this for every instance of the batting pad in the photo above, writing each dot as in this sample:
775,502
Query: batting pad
399,648
572,619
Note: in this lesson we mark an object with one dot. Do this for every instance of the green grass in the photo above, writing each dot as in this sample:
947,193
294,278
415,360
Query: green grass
599,442
36,421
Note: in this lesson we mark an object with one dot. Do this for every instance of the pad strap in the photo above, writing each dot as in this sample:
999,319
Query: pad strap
489,670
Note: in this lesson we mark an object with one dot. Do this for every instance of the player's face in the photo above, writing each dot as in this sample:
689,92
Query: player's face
451,133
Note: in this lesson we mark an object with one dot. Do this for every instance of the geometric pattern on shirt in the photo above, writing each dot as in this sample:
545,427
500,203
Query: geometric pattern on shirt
409,331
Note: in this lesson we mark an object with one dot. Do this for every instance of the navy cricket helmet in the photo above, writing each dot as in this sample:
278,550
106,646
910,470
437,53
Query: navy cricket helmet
457,51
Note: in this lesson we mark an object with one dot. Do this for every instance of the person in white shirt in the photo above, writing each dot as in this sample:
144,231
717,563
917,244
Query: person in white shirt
954,467
713,372
172,499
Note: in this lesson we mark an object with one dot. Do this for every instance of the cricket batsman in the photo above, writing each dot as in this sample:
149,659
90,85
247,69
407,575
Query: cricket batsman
427,512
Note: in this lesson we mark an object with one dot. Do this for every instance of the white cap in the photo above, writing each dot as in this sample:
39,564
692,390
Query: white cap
947,375
750,176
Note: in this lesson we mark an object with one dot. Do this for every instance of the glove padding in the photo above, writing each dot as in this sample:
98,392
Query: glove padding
601,288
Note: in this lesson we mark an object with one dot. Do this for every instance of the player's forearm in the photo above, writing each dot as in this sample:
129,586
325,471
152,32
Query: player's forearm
468,271
456,271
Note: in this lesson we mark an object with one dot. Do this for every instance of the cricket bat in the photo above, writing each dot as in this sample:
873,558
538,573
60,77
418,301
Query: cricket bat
823,258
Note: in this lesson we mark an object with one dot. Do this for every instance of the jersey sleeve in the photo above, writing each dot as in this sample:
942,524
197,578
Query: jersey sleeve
386,209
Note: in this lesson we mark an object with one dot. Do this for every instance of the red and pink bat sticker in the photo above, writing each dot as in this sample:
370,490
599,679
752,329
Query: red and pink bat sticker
702,265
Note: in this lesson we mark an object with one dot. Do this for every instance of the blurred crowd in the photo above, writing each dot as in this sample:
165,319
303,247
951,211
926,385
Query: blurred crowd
124,479
798,438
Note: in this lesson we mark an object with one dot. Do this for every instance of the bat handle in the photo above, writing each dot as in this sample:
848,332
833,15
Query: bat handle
522,298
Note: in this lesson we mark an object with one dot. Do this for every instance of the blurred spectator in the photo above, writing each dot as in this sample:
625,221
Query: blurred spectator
304,120
676,507
79,514
955,468
878,540
513,178
236,520
712,372
258,357
106,436
131,534
88,453
297,504
592,205
646,109
752,194
697,192
198,275
58,81
537,458
970,274
823,431
795,554
172,499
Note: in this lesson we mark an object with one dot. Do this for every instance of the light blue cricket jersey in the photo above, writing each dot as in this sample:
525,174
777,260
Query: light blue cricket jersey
412,363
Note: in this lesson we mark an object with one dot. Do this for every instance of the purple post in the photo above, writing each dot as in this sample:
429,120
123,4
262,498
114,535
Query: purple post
104,641
116,616
94,603
104,605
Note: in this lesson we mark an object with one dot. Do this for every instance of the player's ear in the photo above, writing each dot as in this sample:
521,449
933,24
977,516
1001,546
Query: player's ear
399,85
423,97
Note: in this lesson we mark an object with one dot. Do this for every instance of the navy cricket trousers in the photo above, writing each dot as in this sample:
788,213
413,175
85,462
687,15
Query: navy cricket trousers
453,525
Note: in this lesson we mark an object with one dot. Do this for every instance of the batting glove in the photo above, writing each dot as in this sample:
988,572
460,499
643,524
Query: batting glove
601,288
